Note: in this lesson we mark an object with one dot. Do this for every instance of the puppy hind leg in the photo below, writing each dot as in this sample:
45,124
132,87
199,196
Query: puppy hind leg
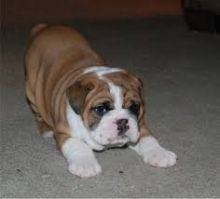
44,129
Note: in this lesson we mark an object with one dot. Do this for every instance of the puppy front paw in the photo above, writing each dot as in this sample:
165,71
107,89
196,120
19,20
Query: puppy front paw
160,157
81,159
84,166
152,153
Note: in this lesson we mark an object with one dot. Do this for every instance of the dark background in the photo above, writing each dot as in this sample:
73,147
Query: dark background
23,12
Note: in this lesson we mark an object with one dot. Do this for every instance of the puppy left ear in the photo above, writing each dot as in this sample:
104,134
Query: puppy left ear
77,95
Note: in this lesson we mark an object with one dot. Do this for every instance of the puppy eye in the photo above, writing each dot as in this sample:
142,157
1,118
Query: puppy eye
134,108
102,109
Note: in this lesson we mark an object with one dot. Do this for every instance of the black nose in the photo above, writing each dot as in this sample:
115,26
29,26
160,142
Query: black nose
122,126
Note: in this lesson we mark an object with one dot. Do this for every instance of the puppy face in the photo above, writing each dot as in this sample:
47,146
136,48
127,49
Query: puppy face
110,106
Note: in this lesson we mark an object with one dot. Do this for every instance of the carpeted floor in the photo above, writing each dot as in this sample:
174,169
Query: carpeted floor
181,73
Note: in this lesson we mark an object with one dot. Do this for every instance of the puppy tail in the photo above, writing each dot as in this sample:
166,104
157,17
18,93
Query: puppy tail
38,28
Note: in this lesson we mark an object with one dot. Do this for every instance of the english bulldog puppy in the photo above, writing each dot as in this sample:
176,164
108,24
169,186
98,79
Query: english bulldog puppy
84,104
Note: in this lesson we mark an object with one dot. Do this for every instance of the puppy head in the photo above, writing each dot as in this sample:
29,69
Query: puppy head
110,106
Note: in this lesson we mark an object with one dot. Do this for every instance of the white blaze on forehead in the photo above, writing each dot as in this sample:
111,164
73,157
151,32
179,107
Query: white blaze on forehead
116,93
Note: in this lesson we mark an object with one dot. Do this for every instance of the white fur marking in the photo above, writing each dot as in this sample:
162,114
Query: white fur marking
80,158
102,70
154,154
116,93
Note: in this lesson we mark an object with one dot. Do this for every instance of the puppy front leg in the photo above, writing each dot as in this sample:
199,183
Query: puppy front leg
80,157
151,151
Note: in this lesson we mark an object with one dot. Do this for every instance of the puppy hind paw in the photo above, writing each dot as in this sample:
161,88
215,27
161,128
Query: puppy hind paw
47,134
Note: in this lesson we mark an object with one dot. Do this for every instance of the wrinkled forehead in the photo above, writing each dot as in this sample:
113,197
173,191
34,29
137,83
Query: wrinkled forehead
118,81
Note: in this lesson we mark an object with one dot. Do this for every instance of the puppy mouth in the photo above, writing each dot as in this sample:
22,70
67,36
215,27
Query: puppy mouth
114,143
118,145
